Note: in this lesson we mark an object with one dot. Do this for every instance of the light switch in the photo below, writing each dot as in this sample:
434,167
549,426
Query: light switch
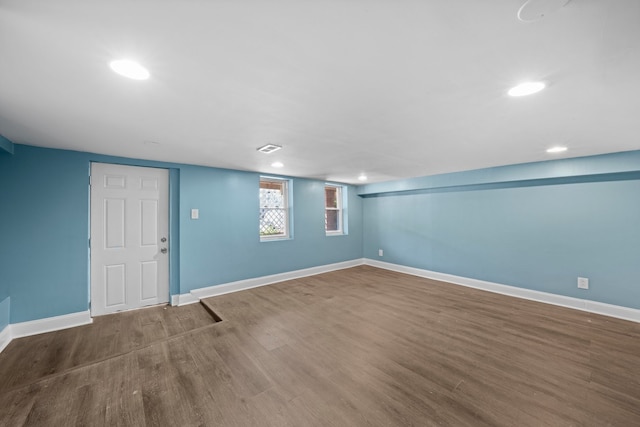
195,213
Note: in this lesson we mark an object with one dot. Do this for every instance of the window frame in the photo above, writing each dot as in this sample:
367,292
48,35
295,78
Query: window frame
287,208
340,208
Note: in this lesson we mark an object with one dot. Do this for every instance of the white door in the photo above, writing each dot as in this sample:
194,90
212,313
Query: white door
129,237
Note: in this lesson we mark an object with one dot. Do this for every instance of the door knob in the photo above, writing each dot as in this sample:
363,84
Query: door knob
164,239
163,250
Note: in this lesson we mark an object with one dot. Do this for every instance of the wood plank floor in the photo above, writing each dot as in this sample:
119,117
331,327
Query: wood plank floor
356,347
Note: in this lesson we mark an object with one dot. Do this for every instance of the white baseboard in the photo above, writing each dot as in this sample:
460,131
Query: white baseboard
610,310
40,326
49,324
5,337
241,285
184,299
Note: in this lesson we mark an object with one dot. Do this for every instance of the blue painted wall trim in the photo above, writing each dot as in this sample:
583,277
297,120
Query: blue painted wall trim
620,176
44,222
6,145
604,167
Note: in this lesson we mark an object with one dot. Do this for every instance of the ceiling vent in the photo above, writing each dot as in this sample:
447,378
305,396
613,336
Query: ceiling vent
269,148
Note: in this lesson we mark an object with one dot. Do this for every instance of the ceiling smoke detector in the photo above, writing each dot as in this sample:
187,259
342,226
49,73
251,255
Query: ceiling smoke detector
269,148
533,10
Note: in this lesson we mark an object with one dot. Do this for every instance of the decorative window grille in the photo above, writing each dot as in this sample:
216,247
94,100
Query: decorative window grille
274,208
333,209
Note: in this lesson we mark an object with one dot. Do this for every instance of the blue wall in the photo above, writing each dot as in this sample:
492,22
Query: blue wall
537,232
223,245
44,226
44,196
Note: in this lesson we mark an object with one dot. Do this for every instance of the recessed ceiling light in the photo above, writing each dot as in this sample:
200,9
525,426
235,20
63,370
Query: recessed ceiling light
362,177
130,69
526,88
277,164
269,148
556,149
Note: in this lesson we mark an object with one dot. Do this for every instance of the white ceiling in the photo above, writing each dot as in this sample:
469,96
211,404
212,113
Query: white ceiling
394,89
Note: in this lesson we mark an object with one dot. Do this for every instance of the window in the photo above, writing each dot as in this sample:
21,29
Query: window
274,208
333,210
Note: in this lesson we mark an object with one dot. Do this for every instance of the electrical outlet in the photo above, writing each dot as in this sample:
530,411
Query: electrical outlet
195,213
380,252
583,283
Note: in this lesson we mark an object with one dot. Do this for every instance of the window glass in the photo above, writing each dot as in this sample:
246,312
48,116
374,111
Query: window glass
274,208
333,209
